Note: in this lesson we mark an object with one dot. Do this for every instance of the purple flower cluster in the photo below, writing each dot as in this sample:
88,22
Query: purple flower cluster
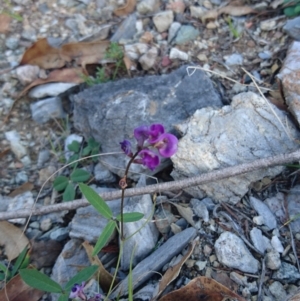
151,140
78,294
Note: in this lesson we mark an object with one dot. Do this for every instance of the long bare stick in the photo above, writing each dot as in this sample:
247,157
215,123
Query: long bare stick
169,186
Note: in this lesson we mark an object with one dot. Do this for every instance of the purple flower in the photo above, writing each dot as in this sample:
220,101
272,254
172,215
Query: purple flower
166,145
155,131
126,147
77,291
148,158
141,134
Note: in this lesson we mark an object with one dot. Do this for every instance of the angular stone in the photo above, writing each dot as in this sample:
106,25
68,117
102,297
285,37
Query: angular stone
263,210
163,20
120,106
126,30
287,272
240,133
292,28
258,241
185,34
50,89
273,261
156,260
232,252
294,207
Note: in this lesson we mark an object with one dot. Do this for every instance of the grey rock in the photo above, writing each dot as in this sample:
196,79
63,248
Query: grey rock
232,252
102,175
276,244
294,207
292,28
120,106
27,74
66,266
197,11
19,202
163,220
173,30
29,33
43,157
178,54
208,202
4,202
146,293
278,291
239,279
126,30
268,25
72,24
163,20
276,205
156,260
265,55
273,261
12,43
290,79
50,89
46,224
47,109
234,59
239,133
33,233
200,209
88,224
21,177
59,234
145,238
185,34
262,209
200,265
287,272
258,241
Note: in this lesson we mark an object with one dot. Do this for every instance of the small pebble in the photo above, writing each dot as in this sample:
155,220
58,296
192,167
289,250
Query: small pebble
273,261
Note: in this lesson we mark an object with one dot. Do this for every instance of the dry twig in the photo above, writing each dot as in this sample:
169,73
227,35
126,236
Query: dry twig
169,186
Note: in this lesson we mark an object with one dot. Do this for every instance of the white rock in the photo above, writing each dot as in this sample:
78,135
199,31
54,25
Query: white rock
26,74
178,54
197,12
258,220
15,144
175,26
258,241
232,252
163,20
268,25
273,261
50,89
148,59
134,51
276,244
146,7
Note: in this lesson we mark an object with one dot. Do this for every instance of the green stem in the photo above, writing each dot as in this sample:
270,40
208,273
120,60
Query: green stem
123,192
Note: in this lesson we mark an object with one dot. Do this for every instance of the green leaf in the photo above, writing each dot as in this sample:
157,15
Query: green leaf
69,193
130,217
74,146
80,175
104,237
92,143
93,197
60,183
297,9
290,11
86,151
73,158
64,297
19,261
5,271
40,281
84,275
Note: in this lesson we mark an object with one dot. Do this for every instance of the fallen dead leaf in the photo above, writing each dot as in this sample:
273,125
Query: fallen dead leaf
200,289
67,75
43,55
105,278
185,212
4,153
84,53
13,240
17,290
4,23
126,9
21,189
173,272
236,10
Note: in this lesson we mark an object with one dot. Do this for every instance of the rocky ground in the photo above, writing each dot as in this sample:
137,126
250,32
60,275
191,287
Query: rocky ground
159,37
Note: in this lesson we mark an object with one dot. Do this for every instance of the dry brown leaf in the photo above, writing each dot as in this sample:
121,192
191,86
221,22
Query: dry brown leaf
200,289
43,55
13,240
126,9
4,153
67,75
173,272
4,23
21,189
294,297
17,290
236,10
105,278
186,213
84,53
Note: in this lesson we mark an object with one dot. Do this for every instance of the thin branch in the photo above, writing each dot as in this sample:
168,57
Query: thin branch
169,186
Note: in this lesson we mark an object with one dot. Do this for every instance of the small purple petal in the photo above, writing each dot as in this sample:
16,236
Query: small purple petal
149,159
166,145
156,130
126,147
77,291
141,134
